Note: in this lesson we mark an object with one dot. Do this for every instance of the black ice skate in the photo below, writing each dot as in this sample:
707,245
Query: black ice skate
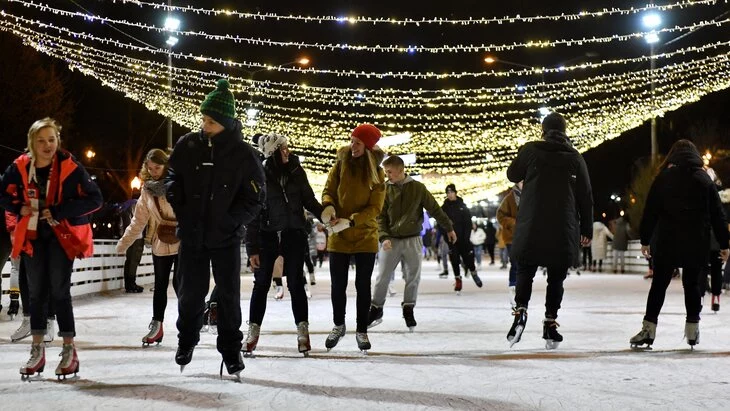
335,336
518,325
234,365
408,316
375,316
644,337
715,303
457,285
183,356
444,275
363,342
550,333
692,332
14,305
477,280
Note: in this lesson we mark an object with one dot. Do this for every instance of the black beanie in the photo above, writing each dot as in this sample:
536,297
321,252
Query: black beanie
554,121
451,187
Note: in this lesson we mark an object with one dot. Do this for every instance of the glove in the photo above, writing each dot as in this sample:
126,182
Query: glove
328,214
341,225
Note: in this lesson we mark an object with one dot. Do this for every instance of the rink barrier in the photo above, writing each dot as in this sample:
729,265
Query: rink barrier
635,262
102,272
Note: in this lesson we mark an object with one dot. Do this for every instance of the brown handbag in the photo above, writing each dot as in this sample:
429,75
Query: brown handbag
166,228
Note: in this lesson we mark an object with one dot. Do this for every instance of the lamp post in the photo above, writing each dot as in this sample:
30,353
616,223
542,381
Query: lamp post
171,24
652,21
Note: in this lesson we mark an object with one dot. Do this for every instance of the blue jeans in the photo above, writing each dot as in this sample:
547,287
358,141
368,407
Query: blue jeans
512,267
478,250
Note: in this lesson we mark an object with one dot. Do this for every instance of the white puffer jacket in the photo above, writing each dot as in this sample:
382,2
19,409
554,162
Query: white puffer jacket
146,215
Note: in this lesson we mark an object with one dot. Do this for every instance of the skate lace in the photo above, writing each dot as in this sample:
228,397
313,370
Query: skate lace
152,325
35,354
253,332
302,329
337,331
362,337
66,355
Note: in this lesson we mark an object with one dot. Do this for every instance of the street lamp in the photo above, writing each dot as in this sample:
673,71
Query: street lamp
171,24
90,154
652,21
136,183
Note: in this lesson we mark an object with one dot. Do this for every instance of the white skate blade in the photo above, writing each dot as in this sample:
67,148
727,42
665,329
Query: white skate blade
31,378
364,352
375,322
63,378
411,329
552,344
516,338
458,292
248,354
641,347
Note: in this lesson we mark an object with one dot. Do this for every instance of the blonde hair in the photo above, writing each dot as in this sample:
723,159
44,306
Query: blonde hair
37,127
156,156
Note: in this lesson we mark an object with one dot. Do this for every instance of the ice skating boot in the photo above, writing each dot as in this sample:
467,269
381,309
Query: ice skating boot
715,303
213,318
477,280
23,331
363,342
692,332
303,338
69,362
183,356
234,365
443,275
14,306
408,316
35,364
335,336
375,316
312,280
50,330
550,333
518,325
155,334
252,339
457,285
645,336
279,293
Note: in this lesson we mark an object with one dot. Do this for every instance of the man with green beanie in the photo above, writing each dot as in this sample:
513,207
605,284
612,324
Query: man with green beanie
216,186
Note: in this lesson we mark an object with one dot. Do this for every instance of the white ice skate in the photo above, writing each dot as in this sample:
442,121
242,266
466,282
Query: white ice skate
23,331
279,293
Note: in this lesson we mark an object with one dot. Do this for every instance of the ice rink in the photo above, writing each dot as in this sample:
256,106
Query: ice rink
457,358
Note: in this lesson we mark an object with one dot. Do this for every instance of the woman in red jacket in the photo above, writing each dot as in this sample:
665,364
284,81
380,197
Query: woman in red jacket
52,196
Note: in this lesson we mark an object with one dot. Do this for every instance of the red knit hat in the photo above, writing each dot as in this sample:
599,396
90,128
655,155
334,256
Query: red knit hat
368,134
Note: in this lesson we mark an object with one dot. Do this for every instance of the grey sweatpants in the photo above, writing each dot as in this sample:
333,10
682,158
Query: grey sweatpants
407,250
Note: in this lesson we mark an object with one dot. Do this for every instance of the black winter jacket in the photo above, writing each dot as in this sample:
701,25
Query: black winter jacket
681,208
460,217
216,186
556,206
288,193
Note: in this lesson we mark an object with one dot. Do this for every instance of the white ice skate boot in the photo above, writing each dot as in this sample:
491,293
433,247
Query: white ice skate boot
23,331
50,330
692,333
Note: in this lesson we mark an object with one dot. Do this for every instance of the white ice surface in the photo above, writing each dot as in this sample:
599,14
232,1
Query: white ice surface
457,358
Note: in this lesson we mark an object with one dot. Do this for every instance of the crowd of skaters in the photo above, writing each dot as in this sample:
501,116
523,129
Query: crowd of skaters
215,191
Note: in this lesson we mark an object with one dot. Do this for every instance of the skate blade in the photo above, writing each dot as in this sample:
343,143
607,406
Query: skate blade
551,344
182,368
364,352
12,316
374,323
411,329
63,378
641,347
248,354
31,377
305,353
458,292
516,338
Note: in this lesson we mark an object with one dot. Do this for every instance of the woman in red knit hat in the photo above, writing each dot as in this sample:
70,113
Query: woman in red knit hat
353,197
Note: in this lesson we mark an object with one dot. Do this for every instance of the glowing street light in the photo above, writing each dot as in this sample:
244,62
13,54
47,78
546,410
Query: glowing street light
136,183
90,154
651,20
172,24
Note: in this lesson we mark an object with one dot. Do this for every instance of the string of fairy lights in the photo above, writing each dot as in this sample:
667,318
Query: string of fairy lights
417,22
466,135
389,48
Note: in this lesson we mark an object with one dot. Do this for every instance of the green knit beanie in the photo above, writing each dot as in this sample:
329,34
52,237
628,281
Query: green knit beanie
220,104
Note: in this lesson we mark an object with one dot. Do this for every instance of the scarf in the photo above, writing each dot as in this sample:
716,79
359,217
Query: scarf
155,187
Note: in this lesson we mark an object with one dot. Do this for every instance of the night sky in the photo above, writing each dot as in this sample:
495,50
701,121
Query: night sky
108,123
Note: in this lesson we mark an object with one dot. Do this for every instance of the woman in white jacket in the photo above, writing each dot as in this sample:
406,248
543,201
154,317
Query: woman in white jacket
153,211
477,238
599,245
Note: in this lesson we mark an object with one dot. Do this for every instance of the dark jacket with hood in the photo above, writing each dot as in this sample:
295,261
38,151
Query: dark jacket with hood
556,206
682,206
216,186
460,217
288,193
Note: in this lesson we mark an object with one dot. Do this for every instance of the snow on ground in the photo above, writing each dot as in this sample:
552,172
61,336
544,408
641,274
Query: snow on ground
457,358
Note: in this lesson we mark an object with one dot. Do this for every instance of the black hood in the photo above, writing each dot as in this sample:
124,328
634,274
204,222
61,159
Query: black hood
686,158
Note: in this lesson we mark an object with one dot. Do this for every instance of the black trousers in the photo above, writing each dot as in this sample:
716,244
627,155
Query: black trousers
714,269
289,247
490,250
163,265
134,255
660,281
461,251
193,282
339,266
554,293
48,273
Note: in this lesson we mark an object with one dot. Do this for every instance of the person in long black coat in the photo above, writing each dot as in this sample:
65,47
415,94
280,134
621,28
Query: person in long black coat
682,206
554,218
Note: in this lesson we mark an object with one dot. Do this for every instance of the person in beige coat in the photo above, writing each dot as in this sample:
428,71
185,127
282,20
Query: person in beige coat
353,198
153,211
